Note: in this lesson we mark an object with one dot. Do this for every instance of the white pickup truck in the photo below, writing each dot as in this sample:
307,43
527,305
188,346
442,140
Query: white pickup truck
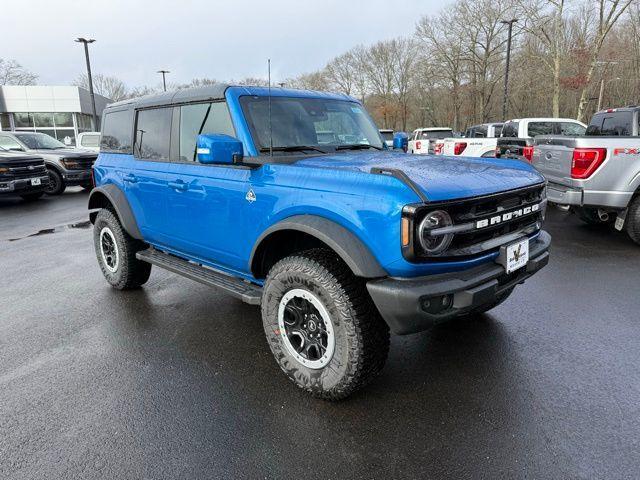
597,175
422,140
478,141
516,139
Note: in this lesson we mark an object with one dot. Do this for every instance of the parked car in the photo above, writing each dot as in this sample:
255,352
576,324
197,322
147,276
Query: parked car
478,141
422,140
597,175
516,139
22,175
337,243
89,141
66,166
387,136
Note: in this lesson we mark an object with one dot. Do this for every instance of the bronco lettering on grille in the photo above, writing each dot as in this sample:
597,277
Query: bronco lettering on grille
505,217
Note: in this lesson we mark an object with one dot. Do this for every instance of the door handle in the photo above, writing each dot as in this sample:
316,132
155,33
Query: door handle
130,178
178,185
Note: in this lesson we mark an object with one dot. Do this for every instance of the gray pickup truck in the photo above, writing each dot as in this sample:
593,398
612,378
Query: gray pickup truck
597,175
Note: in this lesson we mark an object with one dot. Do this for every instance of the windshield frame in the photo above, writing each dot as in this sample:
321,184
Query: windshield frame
325,149
20,136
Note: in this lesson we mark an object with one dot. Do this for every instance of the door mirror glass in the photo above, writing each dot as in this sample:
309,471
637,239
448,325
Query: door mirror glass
219,148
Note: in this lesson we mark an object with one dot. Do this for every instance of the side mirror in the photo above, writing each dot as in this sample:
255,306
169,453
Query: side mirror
219,148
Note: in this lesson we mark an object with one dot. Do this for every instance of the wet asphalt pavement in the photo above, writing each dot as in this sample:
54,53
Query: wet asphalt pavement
177,381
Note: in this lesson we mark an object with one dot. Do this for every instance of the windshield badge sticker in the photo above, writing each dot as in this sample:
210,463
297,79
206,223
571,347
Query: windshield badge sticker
250,197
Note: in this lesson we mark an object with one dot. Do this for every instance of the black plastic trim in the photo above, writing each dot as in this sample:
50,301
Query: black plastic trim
403,177
117,198
347,245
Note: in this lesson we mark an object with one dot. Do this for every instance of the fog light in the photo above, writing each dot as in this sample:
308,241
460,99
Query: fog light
436,305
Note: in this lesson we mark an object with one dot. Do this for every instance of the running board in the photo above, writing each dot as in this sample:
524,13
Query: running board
245,291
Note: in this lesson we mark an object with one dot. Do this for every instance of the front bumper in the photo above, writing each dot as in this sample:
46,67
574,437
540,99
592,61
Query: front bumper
23,185
77,177
403,302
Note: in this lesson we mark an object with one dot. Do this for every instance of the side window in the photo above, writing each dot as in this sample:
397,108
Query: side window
618,124
153,133
9,143
116,132
497,130
540,128
510,129
202,118
481,131
571,129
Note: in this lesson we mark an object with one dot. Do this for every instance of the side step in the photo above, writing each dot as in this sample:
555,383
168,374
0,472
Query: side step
245,291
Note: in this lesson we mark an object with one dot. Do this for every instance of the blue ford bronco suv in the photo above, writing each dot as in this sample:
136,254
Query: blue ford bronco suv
290,200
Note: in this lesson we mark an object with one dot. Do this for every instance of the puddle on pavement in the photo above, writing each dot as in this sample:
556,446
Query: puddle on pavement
71,226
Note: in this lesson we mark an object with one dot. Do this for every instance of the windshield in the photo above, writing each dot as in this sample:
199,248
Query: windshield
309,125
39,141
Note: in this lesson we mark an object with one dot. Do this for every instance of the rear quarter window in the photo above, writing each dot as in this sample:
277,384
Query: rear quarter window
117,130
510,129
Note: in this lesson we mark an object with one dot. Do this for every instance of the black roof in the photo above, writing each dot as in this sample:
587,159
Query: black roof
196,94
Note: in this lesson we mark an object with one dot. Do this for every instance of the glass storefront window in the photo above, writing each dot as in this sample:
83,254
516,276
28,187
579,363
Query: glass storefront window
23,120
5,124
63,120
43,120
84,121
66,136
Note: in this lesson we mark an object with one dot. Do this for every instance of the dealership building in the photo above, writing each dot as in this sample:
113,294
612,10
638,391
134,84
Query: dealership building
62,112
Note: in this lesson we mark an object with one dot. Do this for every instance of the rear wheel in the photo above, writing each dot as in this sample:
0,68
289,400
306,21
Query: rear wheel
116,253
321,325
632,220
30,197
56,183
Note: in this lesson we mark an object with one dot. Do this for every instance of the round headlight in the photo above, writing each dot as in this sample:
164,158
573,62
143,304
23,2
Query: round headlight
435,244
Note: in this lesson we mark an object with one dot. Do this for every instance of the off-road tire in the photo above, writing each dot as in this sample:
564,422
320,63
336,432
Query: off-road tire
30,197
130,272
632,220
56,183
361,335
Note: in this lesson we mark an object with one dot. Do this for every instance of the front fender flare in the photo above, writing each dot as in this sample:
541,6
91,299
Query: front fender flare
118,199
347,245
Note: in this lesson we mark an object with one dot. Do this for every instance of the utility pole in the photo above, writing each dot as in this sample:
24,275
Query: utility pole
506,72
86,43
164,82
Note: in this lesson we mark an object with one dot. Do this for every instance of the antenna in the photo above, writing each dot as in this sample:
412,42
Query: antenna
270,129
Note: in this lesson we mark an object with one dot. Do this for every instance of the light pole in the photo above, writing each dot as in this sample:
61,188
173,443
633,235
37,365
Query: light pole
506,72
164,82
86,43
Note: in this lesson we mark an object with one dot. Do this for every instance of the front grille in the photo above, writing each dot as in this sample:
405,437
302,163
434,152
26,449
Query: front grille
24,169
479,240
83,163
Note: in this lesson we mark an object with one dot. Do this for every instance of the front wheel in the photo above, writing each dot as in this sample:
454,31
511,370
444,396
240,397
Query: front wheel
321,325
116,253
56,183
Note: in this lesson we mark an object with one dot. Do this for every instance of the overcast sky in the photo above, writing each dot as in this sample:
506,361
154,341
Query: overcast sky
229,39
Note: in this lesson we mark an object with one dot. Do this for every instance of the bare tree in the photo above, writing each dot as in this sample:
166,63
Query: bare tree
107,86
12,73
608,11
341,72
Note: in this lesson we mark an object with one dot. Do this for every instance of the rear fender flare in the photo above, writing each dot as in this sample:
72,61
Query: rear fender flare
113,195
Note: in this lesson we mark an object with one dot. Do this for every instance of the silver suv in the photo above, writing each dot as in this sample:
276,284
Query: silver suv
66,166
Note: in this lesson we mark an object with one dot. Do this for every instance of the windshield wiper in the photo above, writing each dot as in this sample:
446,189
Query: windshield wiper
357,146
293,148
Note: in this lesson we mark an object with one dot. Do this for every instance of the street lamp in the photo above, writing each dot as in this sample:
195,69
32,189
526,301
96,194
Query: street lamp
506,72
86,43
164,82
